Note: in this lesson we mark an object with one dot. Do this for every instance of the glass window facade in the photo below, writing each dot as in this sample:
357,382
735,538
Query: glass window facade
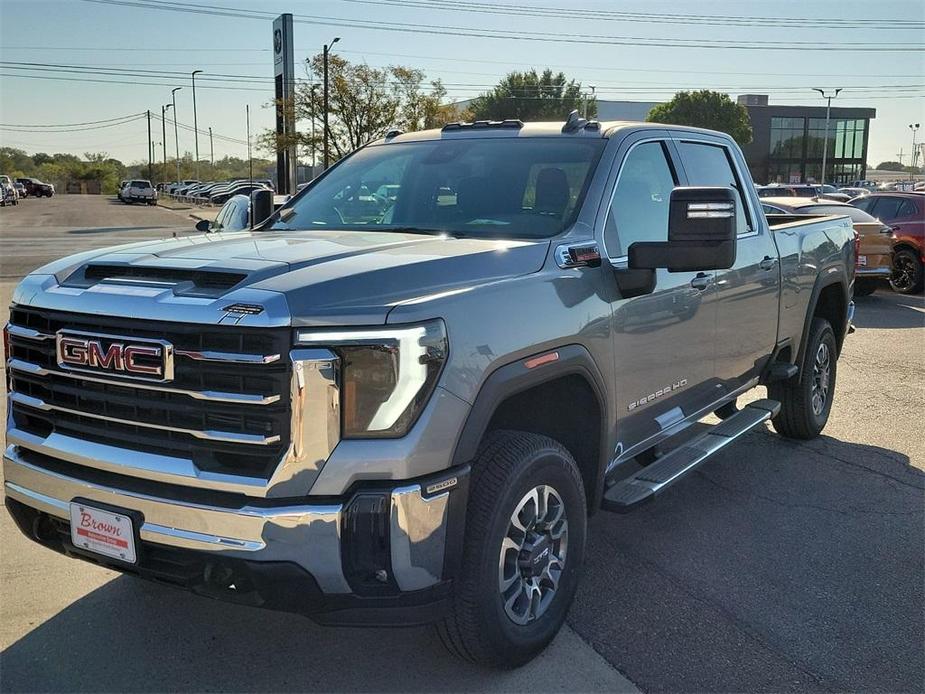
797,144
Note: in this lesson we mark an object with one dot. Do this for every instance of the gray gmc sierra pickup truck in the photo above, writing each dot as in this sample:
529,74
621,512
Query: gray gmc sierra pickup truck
400,398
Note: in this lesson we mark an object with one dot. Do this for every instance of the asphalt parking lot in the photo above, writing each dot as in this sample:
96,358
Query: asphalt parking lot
779,566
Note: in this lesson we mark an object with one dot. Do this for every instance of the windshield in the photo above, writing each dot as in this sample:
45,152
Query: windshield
500,187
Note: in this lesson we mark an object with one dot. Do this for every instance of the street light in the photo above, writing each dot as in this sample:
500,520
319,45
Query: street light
176,136
164,135
914,127
195,122
825,140
327,48
312,90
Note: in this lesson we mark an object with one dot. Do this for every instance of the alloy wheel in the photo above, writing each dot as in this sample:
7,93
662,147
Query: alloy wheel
822,366
533,554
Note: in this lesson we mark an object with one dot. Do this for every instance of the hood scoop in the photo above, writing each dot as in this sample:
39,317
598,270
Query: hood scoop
185,282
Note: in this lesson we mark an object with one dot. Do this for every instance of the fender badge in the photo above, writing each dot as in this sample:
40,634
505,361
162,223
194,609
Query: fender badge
440,486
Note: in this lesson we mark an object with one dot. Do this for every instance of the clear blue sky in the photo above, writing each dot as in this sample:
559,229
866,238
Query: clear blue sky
106,36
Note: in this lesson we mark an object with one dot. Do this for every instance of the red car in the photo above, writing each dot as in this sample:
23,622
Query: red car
905,213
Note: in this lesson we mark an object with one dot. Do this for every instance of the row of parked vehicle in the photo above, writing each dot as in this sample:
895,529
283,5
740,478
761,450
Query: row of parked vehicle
213,192
12,191
890,229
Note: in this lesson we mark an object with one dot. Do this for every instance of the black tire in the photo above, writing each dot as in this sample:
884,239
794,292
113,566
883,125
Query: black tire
510,464
799,417
865,287
907,276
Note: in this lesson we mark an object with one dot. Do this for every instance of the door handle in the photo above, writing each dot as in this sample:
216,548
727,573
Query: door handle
701,281
767,263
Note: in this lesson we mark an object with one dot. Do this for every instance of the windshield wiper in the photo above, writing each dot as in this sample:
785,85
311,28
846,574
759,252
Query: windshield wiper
422,230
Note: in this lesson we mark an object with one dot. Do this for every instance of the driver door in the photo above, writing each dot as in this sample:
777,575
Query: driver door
663,340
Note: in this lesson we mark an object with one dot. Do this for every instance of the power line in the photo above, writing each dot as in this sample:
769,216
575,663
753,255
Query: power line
576,13
549,37
70,125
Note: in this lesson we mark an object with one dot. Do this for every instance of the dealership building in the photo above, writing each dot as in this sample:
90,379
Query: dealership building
787,141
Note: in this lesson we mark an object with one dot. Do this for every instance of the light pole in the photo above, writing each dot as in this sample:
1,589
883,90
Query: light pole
164,135
825,140
195,122
914,127
176,135
211,151
327,48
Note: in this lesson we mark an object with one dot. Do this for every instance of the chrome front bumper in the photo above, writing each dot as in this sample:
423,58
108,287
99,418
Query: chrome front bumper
308,535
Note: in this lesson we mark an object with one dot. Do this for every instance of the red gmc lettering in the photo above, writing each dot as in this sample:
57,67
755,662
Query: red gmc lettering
72,350
129,353
112,359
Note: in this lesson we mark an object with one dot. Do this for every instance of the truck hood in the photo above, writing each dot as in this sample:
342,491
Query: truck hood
326,277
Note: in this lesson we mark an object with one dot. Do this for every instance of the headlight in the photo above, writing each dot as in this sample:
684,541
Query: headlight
387,374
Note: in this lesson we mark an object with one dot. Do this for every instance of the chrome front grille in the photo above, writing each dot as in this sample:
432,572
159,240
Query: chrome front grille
227,409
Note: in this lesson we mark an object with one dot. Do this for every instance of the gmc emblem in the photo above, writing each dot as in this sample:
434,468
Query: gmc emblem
150,360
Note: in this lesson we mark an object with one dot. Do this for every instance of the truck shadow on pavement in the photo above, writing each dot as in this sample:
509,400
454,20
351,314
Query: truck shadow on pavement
886,310
777,566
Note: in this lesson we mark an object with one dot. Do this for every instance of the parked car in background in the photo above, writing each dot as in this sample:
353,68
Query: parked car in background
235,214
20,189
220,198
855,192
37,188
138,190
8,194
905,213
874,261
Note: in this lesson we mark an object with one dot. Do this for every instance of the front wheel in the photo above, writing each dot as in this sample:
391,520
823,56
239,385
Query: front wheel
806,400
525,537
907,275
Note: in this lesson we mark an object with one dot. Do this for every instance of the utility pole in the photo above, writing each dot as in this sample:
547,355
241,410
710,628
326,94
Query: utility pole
164,135
150,156
825,142
593,88
176,135
211,151
900,155
195,123
327,49
914,127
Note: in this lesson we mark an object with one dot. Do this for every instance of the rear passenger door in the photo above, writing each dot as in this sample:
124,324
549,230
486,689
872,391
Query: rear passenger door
664,339
747,300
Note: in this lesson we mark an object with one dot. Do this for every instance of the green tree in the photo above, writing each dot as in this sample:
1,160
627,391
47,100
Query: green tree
530,96
364,104
705,109
890,166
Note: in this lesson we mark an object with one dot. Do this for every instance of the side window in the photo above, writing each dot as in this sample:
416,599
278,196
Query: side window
711,165
888,209
865,204
639,208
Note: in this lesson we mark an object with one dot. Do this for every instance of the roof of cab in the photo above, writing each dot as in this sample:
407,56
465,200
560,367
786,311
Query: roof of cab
529,129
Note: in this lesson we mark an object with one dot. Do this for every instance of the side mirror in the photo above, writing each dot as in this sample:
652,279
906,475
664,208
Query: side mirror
261,206
203,225
701,233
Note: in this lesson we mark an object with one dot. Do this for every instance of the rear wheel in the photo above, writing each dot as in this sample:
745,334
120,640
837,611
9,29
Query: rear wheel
907,276
806,400
524,549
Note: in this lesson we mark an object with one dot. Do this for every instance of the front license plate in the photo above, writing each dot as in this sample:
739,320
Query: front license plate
103,532
862,260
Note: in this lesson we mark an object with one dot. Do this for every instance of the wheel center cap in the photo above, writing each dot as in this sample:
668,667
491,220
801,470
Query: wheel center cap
535,556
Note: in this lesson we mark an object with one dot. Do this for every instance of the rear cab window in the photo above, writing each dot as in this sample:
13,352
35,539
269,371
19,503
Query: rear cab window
708,164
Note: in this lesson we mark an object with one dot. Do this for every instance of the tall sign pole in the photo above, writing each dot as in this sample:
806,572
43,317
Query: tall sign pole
284,80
